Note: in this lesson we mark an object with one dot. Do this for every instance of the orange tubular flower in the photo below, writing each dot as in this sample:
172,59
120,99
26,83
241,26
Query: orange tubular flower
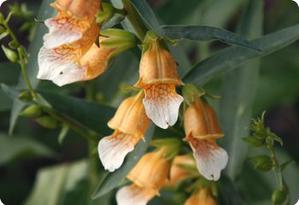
159,78
202,130
148,177
201,197
130,124
71,34
181,169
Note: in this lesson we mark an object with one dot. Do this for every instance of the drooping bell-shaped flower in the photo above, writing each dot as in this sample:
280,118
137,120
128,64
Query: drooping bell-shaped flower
129,124
159,78
201,197
202,130
148,177
83,60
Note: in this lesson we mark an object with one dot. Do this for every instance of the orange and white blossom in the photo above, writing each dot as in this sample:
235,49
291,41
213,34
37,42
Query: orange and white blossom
130,124
69,53
159,78
202,130
201,197
147,177
182,168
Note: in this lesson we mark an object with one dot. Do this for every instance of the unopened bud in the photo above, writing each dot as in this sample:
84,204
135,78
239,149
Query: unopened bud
117,39
262,162
279,197
25,96
32,111
10,54
47,122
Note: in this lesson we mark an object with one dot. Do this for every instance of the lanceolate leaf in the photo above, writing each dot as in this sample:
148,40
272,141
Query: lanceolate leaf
230,58
116,178
238,93
147,15
88,114
45,12
21,147
206,33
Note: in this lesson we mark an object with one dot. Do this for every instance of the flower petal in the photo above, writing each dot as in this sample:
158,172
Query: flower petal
61,32
134,195
210,158
162,104
60,69
113,150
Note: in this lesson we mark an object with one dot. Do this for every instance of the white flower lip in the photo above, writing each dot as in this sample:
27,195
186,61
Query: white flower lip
1,2
112,151
133,195
164,111
210,159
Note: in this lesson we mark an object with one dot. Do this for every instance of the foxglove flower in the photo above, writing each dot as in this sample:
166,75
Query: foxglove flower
148,177
202,130
72,32
130,124
201,197
159,78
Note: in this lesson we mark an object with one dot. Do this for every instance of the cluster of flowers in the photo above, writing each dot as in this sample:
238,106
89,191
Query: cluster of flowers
76,50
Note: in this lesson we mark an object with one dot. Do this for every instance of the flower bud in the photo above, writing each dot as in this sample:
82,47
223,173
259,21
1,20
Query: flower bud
32,111
11,55
279,197
47,122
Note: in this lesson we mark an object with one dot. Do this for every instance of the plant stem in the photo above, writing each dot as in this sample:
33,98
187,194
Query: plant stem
21,54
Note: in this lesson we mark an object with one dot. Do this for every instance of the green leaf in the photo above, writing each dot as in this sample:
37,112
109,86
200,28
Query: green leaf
238,94
147,15
67,185
11,73
32,67
230,58
115,179
88,114
228,193
206,33
13,148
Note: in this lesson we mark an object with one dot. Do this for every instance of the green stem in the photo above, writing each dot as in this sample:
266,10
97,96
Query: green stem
21,55
82,131
277,169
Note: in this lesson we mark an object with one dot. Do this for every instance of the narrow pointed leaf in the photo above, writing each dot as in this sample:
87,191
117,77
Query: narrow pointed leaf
230,58
207,33
147,15
238,93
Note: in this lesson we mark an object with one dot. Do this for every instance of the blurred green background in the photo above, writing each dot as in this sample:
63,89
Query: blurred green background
31,148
